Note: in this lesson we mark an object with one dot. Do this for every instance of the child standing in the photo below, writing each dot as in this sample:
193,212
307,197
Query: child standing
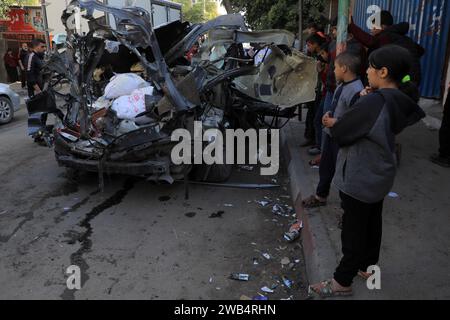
366,164
346,70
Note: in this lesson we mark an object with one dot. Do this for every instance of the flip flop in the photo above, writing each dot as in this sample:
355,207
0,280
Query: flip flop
326,291
313,202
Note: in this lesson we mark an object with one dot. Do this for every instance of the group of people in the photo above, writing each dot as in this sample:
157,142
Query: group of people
30,62
366,96
13,62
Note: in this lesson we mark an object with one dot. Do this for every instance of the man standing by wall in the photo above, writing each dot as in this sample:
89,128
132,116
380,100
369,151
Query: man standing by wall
34,64
10,62
23,54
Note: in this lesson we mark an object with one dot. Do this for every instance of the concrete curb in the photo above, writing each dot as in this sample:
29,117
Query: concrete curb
320,256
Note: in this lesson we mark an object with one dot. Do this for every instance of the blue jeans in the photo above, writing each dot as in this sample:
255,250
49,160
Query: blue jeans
324,106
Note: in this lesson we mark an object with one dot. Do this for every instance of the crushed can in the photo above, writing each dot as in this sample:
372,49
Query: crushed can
239,276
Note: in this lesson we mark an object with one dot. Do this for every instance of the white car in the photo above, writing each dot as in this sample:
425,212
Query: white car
9,103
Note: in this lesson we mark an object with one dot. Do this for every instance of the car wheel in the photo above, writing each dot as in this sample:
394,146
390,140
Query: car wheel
6,110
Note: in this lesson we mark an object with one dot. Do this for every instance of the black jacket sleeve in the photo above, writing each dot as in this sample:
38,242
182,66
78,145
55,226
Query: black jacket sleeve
358,121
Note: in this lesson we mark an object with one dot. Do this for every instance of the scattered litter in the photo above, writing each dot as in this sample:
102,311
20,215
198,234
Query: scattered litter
280,210
315,167
67,209
267,290
290,298
285,261
288,283
217,288
244,297
393,195
3,212
239,276
260,297
255,261
228,205
285,196
297,261
282,248
246,168
274,180
253,244
266,255
210,280
294,234
263,203
217,214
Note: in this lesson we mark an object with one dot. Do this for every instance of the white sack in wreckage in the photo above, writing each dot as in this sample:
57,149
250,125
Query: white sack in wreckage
129,106
123,85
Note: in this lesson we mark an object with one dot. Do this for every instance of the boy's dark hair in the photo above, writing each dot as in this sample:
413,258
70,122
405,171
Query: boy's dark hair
325,47
351,61
386,18
36,42
334,22
397,61
315,38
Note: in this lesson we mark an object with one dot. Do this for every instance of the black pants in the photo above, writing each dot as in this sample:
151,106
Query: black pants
361,238
444,132
23,78
12,74
310,133
327,166
30,90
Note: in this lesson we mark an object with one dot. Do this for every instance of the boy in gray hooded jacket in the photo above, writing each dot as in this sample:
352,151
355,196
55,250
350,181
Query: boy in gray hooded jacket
366,164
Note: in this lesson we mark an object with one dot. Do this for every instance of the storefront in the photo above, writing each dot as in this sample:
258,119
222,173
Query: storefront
23,25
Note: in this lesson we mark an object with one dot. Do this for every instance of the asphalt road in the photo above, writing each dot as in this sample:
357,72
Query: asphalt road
136,240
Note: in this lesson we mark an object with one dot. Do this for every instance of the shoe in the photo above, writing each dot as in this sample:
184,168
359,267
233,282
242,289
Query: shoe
314,151
441,161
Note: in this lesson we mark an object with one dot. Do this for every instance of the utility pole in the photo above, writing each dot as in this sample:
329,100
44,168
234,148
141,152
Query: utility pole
204,10
300,23
46,30
343,13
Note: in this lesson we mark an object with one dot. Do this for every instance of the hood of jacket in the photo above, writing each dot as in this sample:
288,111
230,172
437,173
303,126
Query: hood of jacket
403,111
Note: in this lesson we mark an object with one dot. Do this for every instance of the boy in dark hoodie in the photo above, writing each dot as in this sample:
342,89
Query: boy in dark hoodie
388,33
366,164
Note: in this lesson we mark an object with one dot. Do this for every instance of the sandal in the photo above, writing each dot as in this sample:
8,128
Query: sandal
294,232
326,291
364,275
313,202
314,162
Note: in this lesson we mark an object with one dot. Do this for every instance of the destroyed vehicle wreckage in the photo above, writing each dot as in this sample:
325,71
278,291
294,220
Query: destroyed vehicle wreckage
131,86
